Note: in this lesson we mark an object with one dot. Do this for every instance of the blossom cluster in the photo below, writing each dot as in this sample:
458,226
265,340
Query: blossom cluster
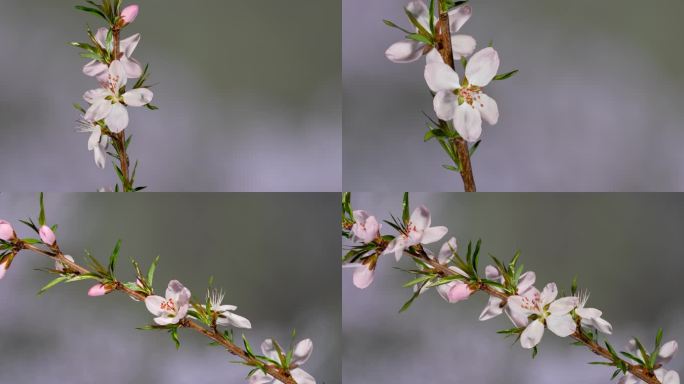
511,290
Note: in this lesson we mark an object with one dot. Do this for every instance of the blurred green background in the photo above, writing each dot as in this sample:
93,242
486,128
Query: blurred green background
626,249
266,250
249,93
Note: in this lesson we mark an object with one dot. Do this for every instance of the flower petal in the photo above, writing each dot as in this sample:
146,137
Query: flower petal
446,253
445,104
237,320
132,67
667,351
405,51
117,119
98,111
100,158
548,294
488,108
602,325
532,335
459,292
468,122
492,273
95,69
420,218
269,350
433,234
153,304
588,313
671,377
363,277
434,57
459,16
462,46
526,280
418,9
101,36
95,95
129,44
441,77
302,377
563,305
138,97
260,378
163,320
482,67
492,310
515,304
302,352
117,74
561,325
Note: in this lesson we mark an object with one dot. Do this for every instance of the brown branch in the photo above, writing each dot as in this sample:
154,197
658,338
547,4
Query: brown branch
56,254
579,335
460,146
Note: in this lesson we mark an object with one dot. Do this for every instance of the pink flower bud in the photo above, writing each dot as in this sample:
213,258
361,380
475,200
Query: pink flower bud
129,14
47,235
6,231
459,292
98,290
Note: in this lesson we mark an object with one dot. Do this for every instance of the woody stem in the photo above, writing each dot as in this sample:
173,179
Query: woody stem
119,139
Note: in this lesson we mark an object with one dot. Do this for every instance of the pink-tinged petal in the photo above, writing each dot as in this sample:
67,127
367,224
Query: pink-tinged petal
492,273
100,157
602,325
166,320
433,234
260,378
405,51
459,292
588,313
98,111
47,236
130,13
96,95
94,139
492,310
418,9
117,73
138,97
519,319
629,379
446,253
97,290
548,294
132,67
420,218
6,231
363,277
302,352
459,16
671,377
3,270
128,45
433,57
468,122
515,304
269,350
117,120
95,69
238,321
153,304
667,351
561,325
443,290
563,305
177,291
462,46
532,335
488,108
482,67
441,77
526,280
360,216
445,104
302,377
101,36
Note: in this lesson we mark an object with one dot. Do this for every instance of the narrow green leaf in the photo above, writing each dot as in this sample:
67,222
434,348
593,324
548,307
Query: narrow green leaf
406,215
505,76
115,255
41,215
150,272
52,284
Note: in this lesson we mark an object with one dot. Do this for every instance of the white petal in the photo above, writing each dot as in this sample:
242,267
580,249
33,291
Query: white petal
532,335
433,234
363,277
418,9
129,44
224,308
405,51
526,280
488,108
441,77
302,377
482,67
515,304
238,321
588,313
446,253
563,305
462,46
492,273
100,158
269,350
671,377
459,16
549,294
153,304
98,111
443,290
667,351
445,104
95,69
602,325
95,95
166,320
132,67
420,218
561,325
434,57
260,378
302,352
468,122
101,36
629,379
117,120
94,139
117,73
492,310
138,97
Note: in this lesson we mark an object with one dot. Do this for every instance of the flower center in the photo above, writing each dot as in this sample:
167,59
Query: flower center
469,94
168,305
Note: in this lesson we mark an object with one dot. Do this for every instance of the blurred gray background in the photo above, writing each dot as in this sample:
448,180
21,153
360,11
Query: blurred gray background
249,94
267,251
625,248
596,106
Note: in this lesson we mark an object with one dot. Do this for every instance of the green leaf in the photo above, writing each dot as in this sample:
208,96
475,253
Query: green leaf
41,215
248,347
174,336
393,25
474,148
406,215
450,168
418,280
573,287
91,10
150,272
505,76
407,305
422,31
432,16
52,284
420,38
114,256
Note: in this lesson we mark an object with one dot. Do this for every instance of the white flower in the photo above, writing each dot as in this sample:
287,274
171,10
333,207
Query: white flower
364,275
494,306
107,103
446,253
591,317
549,312
465,103
366,227
97,143
224,315
407,51
61,267
126,46
418,231
666,353
300,355
173,308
